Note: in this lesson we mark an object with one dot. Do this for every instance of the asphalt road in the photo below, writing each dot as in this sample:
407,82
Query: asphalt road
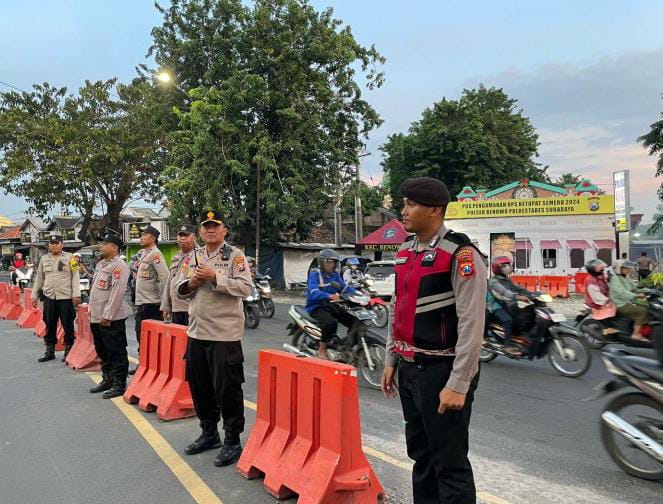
532,440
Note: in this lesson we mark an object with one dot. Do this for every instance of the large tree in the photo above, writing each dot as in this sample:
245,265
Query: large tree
89,152
274,103
653,142
482,139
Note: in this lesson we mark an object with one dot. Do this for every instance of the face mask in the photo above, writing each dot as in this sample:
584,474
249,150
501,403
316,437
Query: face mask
506,269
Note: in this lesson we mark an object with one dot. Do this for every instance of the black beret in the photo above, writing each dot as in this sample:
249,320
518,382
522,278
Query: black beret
426,191
151,230
116,240
212,216
186,229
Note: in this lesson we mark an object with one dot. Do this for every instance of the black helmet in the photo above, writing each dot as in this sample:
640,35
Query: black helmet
328,255
593,266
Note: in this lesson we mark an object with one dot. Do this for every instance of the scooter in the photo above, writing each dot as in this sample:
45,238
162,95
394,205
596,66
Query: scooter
266,303
619,329
24,276
632,422
252,309
566,348
375,303
361,347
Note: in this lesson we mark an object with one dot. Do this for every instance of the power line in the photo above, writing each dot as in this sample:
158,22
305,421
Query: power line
13,87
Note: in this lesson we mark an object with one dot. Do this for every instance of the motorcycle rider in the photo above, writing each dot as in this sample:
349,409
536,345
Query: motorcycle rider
597,291
503,296
629,301
18,262
322,296
77,263
352,273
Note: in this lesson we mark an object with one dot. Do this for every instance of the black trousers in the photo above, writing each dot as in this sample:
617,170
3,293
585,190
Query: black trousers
215,371
180,317
146,312
64,311
111,345
328,316
643,273
438,444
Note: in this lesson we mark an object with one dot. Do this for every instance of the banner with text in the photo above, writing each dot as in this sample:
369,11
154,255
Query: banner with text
533,207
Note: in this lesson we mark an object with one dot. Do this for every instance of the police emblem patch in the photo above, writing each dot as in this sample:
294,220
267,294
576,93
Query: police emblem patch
116,273
465,258
240,263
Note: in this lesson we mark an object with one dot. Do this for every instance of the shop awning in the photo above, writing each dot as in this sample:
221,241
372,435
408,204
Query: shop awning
523,245
605,244
578,244
550,244
388,237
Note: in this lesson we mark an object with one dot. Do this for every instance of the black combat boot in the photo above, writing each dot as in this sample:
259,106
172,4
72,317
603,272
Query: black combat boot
208,440
102,386
118,389
229,454
67,349
49,354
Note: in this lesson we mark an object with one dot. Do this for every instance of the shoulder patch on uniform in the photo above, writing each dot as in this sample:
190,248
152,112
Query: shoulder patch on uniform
240,262
117,272
465,258
156,258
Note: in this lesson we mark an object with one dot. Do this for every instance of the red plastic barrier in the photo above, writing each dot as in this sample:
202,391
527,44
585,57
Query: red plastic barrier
307,436
30,316
556,286
3,294
83,355
12,308
530,282
579,280
159,383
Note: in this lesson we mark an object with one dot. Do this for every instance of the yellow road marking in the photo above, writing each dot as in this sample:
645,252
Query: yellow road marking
190,480
489,498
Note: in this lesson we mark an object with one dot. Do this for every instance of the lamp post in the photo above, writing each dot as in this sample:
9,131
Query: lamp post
359,221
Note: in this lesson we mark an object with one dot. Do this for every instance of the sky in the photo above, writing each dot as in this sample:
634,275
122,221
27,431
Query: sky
589,74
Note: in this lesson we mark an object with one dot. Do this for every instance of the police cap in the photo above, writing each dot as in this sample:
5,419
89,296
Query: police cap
115,240
426,191
186,229
212,216
151,230
55,238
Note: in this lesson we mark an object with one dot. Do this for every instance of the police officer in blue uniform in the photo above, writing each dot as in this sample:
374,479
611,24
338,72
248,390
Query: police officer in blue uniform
325,287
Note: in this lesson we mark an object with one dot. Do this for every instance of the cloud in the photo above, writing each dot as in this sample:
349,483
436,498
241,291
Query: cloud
589,115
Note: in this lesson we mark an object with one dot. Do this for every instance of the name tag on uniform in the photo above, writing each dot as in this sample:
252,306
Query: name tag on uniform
429,258
103,284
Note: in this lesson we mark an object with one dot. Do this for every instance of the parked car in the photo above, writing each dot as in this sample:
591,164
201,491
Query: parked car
383,276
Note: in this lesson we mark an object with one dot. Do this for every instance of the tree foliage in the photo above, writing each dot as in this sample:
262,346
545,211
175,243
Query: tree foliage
482,139
273,88
86,152
371,198
653,142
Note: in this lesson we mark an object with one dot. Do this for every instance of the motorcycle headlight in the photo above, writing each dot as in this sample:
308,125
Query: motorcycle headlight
369,281
267,288
545,298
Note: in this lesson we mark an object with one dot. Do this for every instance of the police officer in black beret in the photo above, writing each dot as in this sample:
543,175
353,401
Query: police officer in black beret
434,339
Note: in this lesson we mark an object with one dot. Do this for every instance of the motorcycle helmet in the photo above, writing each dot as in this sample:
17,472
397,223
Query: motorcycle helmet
76,254
18,255
595,267
328,255
498,263
353,261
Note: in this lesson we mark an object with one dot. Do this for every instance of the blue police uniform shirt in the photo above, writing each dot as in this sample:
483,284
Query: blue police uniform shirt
319,289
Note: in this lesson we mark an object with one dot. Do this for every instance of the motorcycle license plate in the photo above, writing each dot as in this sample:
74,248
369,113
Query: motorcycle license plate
558,317
363,314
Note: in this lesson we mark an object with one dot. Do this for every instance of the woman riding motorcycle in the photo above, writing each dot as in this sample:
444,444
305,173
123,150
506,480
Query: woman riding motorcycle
597,291
629,301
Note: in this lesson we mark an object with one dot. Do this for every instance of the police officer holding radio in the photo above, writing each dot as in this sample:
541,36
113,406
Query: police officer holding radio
58,285
215,287
108,315
435,336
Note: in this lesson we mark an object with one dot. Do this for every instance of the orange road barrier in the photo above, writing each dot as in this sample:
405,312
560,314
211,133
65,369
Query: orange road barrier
159,383
530,282
306,440
30,316
556,286
12,308
579,280
83,355
3,294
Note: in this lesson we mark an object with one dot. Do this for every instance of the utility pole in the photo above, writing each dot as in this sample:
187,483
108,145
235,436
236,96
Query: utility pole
359,220
258,220
338,223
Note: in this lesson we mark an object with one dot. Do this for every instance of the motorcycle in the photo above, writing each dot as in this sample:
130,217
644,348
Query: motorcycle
375,303
361,347
619,329
252,309
266,303
632,422
24,276
567,351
